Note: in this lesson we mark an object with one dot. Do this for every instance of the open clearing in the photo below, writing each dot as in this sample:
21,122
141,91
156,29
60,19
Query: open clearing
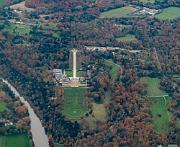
118,12
148,1
99,111
14,141
114,68
3,106
57,145
159,98
153,86
169,13
160,115
127,38
2,2
80,73
18,28
2,103
178,124
74,102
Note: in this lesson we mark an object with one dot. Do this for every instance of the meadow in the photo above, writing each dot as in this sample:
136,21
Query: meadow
14,141
114,68
127,38
3,106
18,28
153,86
158,108
2,2
169,13
74,102
118,12
160,114
99,112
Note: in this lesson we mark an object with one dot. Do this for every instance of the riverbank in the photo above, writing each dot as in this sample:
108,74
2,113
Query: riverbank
40,139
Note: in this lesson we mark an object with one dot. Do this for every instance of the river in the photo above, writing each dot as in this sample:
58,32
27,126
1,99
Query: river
39,136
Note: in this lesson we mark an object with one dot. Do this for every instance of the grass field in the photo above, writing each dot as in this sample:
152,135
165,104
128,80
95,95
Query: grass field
3,106
178,124
147,1
57,145
18,29
2,2
80,73
14,141
127,38
169,13
153,86
160,114
74,102
99,112
118,12
114,70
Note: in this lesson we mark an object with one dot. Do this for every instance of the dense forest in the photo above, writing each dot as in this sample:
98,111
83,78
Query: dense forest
28,57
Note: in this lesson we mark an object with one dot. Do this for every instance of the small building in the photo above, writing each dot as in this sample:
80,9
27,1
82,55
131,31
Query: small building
59,74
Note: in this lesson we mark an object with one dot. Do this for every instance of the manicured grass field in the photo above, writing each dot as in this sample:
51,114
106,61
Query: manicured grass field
3,106
2,2
160,114
18,29
147,1
14,141
118,12
127,38
74,102
80,73
169,13
114,70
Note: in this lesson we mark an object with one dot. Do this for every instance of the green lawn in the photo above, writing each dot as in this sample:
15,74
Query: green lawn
114,70
74,102
2,2
14,141
57,145
127,38
153,86
147,1
160,114
18,29
80,73
118,12
169,13
3,106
